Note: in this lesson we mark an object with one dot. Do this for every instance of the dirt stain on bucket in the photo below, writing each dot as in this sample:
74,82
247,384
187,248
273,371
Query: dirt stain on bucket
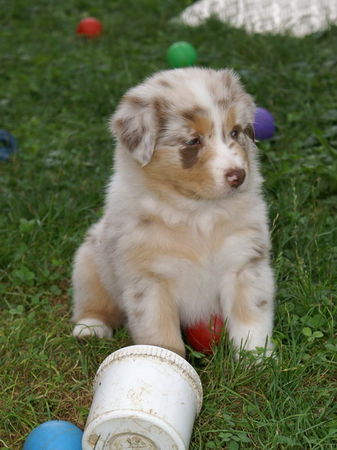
131,441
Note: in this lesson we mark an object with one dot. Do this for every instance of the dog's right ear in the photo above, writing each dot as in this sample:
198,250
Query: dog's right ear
135,127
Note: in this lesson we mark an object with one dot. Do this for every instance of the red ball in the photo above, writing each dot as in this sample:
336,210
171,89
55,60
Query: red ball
204,335
89,27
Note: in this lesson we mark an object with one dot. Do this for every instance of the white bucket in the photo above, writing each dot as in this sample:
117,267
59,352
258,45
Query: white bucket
145,397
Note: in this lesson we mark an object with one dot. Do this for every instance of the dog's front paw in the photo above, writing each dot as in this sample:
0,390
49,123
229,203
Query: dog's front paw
89,327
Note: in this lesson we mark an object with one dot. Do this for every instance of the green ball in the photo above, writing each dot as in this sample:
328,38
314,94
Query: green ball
181,54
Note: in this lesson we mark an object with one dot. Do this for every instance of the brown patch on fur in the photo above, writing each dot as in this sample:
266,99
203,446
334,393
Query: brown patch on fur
222,103
95,303
189,156
241,309
202,125
262,304
199,121
165,83
261,253
139,295
129,140
136,102
150,219
189,114
145,220
160,108
230,121
164,172
159,113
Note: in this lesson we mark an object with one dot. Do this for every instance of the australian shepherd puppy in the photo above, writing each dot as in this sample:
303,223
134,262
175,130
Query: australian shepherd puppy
184,233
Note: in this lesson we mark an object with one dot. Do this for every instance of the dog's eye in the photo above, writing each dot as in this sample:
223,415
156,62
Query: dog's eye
194,142
235,132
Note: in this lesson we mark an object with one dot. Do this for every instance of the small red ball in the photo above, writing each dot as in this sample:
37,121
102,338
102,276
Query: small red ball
89,27
204,335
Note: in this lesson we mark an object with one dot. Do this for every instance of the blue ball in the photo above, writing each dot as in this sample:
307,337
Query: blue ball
54,435
264,124
8,145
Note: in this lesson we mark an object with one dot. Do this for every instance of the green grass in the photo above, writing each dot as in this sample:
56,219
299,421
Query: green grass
56,93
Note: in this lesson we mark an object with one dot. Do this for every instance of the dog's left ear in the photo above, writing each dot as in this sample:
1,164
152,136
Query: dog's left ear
135,127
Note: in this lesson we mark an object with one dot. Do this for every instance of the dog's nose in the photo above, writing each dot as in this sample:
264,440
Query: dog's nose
235,177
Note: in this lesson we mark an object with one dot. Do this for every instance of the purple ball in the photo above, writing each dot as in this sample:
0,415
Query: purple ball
264,124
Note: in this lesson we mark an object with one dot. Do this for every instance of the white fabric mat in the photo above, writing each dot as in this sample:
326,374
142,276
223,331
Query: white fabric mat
298,17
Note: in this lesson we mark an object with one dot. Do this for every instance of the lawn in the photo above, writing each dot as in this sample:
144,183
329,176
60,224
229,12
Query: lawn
57,91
